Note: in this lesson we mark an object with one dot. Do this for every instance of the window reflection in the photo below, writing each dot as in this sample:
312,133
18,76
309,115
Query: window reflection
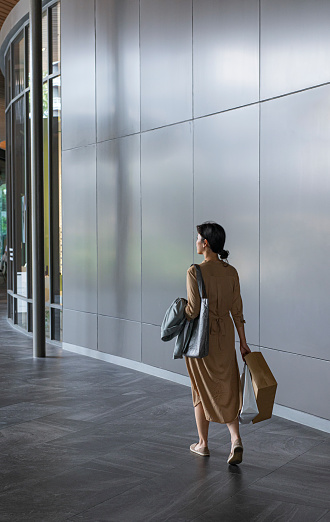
3,211
27,61
22,319
20,206
56,233
18,64
57,324
8,78
47,321
9,200
46,191
44,45
56,44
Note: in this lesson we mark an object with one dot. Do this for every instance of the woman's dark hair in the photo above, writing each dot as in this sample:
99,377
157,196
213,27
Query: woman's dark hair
216,237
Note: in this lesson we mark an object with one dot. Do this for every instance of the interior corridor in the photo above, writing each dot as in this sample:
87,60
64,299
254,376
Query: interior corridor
83,440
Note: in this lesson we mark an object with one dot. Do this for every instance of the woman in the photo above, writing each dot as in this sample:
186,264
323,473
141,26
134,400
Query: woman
215,380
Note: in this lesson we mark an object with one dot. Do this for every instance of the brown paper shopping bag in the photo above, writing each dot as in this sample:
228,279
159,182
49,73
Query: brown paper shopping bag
264,385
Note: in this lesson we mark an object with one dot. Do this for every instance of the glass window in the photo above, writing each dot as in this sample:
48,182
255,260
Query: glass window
28,195
46,191
3,214
18,188
47,321
10,304
44,44
22,320
27,61
18,64
9,199
56,190
8,78
56,43
30,317
57,324
20,205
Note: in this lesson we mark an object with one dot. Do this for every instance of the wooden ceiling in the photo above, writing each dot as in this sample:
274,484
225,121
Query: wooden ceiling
5,8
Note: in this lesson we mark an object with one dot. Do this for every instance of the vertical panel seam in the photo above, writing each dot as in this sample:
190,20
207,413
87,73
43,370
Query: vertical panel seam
96,202
140,74
192,60
259,172
140,68
95,82
193,127
140,163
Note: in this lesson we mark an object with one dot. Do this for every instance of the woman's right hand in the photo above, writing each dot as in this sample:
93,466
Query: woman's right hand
244,349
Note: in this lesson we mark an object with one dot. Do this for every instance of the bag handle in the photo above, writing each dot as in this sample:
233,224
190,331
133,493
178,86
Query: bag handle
200,281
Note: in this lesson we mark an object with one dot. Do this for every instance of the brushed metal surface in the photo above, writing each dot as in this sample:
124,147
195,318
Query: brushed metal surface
226,54
166,62
294,223
156,352
78,73
79,229
167,216
119,337
119,228
303,382
226,190
80,328
117,68
294,43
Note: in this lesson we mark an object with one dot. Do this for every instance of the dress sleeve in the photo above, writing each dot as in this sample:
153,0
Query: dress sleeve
194,301
237,306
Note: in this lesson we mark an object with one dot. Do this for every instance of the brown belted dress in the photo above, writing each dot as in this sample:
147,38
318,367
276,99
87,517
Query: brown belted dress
215,379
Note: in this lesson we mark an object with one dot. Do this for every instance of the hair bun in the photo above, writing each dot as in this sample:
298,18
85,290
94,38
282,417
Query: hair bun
224,254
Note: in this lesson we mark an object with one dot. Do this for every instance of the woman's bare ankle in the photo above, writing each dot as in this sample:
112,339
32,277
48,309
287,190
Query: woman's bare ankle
202,443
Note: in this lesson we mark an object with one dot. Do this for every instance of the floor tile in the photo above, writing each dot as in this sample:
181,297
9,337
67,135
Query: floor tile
256,510
84,440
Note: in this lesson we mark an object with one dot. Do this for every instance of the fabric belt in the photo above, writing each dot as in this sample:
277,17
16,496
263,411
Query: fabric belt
217,325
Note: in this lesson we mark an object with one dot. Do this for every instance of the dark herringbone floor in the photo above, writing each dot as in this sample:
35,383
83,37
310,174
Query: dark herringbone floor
83,440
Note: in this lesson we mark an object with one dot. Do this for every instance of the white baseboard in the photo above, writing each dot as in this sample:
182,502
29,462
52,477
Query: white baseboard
128,363
302,418
281,411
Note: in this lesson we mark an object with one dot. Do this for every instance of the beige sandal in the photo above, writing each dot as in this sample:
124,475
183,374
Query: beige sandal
204,452
236,454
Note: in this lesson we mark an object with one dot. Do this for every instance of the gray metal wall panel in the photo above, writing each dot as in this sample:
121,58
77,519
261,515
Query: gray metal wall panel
159,354
226,190
79,229
80,328
226,54
78,73
295,41
294,218
117,68
119,337
119,228
167,216
166,62
303,382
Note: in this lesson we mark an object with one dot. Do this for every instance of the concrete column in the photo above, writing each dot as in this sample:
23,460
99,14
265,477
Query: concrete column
37,185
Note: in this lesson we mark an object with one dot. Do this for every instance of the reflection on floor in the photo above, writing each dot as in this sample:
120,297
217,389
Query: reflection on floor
83,440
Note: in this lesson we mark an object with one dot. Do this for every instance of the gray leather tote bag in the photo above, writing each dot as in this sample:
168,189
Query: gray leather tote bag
198,344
